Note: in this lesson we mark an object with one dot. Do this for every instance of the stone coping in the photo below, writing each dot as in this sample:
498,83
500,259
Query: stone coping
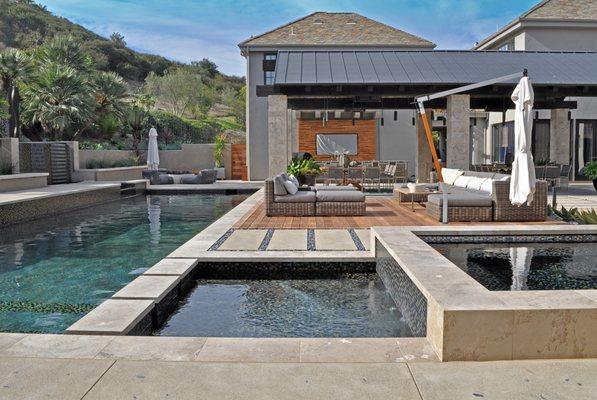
112,317
129,168
180,267
53,191
24,175
216,349
466,321
148,287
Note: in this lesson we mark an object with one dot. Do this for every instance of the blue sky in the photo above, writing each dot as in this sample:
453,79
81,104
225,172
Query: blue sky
187,30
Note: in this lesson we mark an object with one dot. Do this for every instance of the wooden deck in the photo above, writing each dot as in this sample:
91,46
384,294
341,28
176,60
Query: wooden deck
381,211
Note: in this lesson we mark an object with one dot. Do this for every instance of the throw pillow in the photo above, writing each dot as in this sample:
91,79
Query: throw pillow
279,188
450,175
293,179
462,181
487,186
475,183
290,187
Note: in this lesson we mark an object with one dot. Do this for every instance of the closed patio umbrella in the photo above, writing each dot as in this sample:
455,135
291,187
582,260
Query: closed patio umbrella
522,182
153,156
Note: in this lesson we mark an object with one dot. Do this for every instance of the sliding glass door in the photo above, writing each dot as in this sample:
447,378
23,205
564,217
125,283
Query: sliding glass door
586,145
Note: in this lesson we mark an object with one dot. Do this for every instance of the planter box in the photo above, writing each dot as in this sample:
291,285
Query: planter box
110,174
33,180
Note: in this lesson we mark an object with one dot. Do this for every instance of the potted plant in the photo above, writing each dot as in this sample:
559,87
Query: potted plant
219,144
590,171
305,171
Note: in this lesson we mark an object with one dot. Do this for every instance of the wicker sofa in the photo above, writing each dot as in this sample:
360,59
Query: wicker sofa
310,201
486,198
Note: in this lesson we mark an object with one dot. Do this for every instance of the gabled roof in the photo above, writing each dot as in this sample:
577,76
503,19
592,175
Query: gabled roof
563,10
336,29
553,10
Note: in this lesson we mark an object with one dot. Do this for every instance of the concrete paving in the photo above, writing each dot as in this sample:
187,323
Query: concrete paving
284,239
578,195
53,190
244,240
333,239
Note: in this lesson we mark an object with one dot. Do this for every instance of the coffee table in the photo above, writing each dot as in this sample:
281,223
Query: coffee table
405,195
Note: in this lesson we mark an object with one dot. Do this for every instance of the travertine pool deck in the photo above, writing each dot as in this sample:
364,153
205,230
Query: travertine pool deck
581,195
104,367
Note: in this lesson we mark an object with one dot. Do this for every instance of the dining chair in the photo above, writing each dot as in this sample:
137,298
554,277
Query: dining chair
335,175
371,177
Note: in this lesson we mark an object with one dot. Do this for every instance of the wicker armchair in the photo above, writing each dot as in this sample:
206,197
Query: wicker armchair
503,210
273,208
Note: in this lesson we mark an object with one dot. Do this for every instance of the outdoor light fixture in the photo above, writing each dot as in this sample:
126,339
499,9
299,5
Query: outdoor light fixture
536,114
382,119
395,115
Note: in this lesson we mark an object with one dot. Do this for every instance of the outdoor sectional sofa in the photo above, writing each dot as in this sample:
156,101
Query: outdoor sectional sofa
312,200
484,196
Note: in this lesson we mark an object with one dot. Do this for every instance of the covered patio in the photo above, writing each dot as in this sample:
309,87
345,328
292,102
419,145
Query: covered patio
338,92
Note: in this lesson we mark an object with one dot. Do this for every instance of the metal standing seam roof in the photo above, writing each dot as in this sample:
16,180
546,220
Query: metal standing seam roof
431,67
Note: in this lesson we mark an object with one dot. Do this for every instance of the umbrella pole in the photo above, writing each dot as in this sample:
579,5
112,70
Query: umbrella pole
429,135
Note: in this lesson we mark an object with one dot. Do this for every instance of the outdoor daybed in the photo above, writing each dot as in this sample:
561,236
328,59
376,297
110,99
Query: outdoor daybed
312,200
484,196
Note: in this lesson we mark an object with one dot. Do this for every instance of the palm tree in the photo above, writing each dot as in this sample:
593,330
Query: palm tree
66,51
58,98
110,94
14,65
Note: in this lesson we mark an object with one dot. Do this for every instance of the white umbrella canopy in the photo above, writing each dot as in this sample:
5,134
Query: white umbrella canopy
153,156
522,182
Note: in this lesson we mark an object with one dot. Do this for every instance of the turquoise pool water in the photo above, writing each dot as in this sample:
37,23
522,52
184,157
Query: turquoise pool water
53,271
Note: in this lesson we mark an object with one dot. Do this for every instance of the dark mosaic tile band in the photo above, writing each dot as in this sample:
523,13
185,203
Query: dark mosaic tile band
311,240
266,240
221,240
408,298
537,238
356,240
47,308
279,270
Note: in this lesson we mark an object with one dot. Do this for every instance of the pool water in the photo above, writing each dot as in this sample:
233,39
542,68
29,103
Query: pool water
349,305
53,271
527,266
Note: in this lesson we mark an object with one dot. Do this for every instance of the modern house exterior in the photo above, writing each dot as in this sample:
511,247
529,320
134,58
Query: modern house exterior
323,31
341,80
552,25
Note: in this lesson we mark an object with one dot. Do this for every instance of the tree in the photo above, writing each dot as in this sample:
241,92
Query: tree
236,101
58,98
66,51
118,39
181,92
14,65
110,94
208,66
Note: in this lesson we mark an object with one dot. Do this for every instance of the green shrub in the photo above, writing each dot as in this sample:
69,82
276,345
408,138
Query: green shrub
585,217
101,163
590,170
219,145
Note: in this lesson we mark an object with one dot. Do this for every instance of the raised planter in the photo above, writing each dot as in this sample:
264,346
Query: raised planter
33,180
110,174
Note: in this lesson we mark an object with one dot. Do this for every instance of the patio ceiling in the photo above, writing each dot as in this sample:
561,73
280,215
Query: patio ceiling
369,76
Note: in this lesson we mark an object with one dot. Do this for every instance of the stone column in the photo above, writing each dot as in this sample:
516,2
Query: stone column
9,152
559,136
277,133
424,161
458,131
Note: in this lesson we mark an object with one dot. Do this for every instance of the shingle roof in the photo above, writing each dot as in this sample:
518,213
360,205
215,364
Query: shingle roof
432,67
563,9
340,29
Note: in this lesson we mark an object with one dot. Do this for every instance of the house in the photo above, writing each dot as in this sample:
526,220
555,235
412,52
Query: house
326,31
566,136
332,81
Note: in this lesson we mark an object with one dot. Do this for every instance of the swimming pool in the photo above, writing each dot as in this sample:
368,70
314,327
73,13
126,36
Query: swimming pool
55,270
341,305
526,266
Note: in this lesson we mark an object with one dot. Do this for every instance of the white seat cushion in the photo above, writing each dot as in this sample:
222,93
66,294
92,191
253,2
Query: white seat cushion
450,175
462,181
475,183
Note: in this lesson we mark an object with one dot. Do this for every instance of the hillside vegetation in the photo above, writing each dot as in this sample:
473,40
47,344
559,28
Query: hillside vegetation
74,84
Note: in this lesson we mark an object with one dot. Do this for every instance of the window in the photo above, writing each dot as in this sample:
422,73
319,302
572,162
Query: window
508,46
540,145
269,77
502,140
269,64
329,144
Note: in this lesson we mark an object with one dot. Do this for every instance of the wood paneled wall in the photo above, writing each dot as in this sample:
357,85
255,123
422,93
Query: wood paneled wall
239,161
366,131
